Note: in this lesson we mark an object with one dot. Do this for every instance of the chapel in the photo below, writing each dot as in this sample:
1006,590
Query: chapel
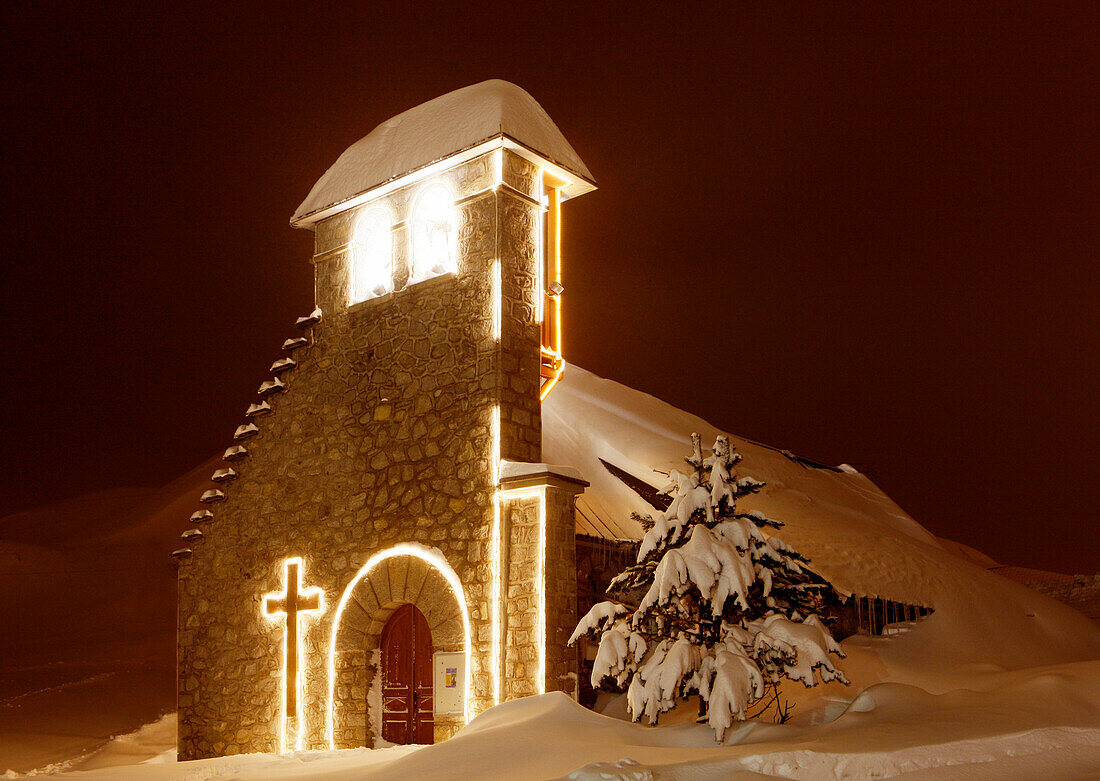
384,553
423,496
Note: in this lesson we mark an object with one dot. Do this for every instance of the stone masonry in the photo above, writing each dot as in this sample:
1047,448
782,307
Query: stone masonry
380,432
548,543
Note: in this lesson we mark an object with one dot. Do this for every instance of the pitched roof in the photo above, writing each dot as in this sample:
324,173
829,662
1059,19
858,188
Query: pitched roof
438,129
855,534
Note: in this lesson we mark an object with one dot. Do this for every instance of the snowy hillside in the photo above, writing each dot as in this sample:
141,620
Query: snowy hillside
88,652
88,649
854,534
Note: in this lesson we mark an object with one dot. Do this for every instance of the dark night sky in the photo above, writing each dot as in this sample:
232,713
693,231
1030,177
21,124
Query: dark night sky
865,235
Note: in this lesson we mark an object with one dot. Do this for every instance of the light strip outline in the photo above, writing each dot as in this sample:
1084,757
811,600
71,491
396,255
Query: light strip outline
497,543
298,641
431,556
497,304
576,184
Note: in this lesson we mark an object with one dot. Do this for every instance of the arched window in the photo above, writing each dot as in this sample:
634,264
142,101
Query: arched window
371,257
434,234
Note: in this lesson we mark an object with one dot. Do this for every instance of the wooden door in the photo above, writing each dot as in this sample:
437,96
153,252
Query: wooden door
407,678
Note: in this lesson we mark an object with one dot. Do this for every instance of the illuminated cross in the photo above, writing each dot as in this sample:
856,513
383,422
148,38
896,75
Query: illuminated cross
291,602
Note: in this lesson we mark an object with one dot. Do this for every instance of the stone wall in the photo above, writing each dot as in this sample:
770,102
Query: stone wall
381,436
540,585
561,588
522,593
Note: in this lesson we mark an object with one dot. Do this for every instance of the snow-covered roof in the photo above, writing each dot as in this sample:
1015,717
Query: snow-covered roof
517,470
453,123
853,533
841,519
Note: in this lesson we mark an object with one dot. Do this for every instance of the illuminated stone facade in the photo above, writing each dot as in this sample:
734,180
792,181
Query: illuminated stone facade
540,601
390,430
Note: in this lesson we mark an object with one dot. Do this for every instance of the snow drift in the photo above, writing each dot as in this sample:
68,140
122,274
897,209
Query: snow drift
854,535
87,650
1040,724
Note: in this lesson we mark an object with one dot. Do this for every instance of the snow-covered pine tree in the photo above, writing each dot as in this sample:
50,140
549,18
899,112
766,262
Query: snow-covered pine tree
714,606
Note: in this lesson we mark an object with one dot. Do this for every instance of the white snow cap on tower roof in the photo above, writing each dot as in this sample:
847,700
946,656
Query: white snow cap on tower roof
456,122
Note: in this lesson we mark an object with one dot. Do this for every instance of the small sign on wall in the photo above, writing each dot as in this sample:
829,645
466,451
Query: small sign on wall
449,680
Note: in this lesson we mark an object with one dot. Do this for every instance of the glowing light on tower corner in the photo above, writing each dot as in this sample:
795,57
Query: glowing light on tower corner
494,433
293,602
495,553
553,363
556,206
497,306
498,167
435,559
540,245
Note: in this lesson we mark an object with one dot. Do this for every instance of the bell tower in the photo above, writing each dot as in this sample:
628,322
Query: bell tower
421,217
396,457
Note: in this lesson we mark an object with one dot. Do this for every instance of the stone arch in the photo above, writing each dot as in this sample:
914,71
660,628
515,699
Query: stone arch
406,573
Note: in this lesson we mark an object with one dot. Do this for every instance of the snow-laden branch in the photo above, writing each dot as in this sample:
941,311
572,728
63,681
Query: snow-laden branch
723,610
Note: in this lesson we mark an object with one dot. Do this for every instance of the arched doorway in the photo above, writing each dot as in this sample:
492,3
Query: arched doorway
406,661
407,573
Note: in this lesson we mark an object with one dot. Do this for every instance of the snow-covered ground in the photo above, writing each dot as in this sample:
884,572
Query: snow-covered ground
1000,682
1039,723
87,630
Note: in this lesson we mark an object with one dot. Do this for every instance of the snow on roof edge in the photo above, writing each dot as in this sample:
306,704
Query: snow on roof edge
590,417
513,470
444,127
